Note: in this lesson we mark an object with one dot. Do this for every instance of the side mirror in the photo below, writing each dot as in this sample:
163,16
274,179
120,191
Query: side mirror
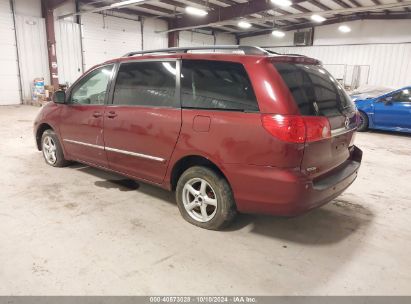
387,100
59,97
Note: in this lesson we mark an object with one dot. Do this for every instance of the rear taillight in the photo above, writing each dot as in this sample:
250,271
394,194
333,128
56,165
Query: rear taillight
296,128
317,128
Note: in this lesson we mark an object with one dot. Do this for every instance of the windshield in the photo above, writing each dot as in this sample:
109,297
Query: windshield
314,90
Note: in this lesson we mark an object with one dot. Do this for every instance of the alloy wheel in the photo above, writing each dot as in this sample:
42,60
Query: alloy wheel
49,150
200,200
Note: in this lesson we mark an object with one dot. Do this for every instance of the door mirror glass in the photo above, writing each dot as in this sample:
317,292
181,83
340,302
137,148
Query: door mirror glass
59,97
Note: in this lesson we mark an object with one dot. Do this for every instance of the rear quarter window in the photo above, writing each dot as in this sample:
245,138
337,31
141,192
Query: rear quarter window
216,85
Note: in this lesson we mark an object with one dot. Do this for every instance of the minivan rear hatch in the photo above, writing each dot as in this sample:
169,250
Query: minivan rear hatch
318,94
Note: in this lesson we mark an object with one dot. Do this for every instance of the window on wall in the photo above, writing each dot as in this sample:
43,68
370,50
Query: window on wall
146,84
92,88
216,85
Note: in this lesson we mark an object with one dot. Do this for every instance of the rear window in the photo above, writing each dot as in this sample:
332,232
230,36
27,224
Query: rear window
216,85
314,90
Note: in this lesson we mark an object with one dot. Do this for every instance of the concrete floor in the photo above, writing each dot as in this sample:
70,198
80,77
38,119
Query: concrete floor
77,231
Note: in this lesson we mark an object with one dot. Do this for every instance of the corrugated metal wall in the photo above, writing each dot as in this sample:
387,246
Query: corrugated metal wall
153,40
225,39
9,78
68,47
106,37
187,38
103,38
33,56
390,64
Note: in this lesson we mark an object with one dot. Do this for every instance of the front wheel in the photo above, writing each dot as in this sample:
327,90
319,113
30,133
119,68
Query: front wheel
363,126
52,151
205,198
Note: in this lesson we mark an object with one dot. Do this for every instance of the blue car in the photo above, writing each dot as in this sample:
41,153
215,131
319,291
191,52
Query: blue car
389,111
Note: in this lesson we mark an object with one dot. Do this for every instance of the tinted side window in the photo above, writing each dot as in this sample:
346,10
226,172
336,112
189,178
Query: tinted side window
403,96
216,85
146,84
93,87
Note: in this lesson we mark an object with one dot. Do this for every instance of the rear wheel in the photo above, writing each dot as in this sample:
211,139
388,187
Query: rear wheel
52,151
363,126
205,198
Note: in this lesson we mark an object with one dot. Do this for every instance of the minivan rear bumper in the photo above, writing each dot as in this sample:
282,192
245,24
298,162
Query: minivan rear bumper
288,192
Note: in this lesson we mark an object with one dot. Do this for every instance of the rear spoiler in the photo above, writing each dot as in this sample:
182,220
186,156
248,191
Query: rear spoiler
294,58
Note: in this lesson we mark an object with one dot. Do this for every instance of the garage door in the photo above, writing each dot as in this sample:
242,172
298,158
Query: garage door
68,47
106,37
9,78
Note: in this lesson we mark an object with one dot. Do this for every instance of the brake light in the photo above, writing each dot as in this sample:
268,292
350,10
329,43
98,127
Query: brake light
317,128
296,128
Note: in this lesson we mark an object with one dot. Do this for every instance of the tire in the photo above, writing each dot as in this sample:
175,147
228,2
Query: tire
210,193
363,126
52,151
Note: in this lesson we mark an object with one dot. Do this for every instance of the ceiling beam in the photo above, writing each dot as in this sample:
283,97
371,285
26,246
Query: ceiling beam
98,9
342,3
228,2
300,8
355,3
319,5
282,12
173,3
204,4
230,17
407,9
353,17
53,4
227,13
138,13
155,8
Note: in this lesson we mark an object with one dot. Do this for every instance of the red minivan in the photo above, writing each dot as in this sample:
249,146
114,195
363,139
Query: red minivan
228,128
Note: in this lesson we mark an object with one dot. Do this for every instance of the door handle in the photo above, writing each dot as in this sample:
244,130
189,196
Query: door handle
97,114
111,114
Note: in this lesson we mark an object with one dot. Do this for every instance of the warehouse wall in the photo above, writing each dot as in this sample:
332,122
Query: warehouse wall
33,56
151,39
28,7
31,44
106,37
187,38
383,48
389,64
9,76
68,51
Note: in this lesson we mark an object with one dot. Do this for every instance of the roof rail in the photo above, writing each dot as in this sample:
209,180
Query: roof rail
248,50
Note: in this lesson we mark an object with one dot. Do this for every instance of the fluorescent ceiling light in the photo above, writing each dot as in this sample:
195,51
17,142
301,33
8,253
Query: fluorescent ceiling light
123,3
282,2
278,33
344,28
317,18
195,11
244,24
